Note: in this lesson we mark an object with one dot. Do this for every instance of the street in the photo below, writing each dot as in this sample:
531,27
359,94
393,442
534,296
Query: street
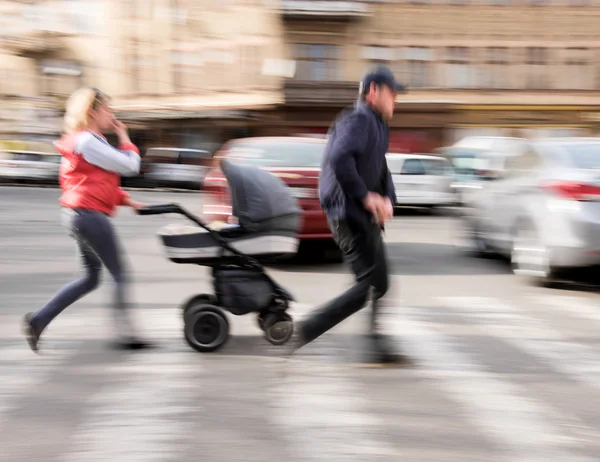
504,371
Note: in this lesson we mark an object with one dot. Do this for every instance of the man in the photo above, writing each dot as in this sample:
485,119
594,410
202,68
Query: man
357,195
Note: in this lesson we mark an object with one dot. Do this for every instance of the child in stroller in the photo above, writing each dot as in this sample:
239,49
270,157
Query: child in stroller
268,221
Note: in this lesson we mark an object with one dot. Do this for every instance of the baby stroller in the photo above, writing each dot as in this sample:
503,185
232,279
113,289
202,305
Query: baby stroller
269,221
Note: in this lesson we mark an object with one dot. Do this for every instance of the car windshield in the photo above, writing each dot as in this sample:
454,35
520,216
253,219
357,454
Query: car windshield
586,156
274,154
395,165
434,166
464,162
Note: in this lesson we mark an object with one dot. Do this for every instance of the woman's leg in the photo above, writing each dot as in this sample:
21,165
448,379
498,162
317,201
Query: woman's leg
67,295
100,236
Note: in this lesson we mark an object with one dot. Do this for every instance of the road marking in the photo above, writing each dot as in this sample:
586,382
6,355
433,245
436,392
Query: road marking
322,413
530,335
142,416
571,305
525,429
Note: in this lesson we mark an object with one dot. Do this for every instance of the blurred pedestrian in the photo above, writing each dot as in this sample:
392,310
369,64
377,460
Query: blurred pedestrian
357,195
90,181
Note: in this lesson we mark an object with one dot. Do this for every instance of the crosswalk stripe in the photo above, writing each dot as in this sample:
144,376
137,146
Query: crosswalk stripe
141,417
532,336
525,428
322,413
570,305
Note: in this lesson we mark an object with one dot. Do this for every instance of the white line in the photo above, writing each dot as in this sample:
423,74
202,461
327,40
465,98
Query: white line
322,414
532,336
571,305
142,417
526,430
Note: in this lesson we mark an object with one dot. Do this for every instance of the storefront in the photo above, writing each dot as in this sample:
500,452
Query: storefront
531,121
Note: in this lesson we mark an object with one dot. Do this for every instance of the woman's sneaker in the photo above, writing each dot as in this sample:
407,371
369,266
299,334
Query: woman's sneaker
30,334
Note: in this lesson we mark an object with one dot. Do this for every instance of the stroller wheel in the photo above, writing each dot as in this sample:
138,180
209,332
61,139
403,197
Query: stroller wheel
206,327
278,328
260,320
201,299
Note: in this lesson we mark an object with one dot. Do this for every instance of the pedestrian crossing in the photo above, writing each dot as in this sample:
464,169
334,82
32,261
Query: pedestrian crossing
512,379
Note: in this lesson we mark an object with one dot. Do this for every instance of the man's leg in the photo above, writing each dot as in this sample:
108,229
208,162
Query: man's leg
359,250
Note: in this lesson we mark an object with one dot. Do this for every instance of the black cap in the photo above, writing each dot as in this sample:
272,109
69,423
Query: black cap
380,75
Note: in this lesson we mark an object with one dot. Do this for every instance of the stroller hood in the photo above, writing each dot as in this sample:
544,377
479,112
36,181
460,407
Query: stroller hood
259,198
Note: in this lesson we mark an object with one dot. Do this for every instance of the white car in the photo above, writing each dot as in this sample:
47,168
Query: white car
177,166
421,180
543,211
29,165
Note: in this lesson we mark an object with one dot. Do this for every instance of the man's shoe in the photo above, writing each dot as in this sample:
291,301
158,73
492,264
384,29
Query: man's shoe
382,353
30,334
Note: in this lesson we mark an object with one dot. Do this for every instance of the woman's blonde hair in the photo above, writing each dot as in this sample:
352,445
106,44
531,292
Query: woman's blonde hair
78,108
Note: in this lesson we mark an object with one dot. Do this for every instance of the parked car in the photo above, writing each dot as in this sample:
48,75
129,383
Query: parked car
29,166
176,166
296,160
421,180
543,211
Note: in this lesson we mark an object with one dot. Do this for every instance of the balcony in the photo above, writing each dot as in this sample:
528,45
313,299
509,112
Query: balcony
324,10
299,93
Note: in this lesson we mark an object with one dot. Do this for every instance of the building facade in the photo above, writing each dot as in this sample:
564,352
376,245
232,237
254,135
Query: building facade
193,74
473,67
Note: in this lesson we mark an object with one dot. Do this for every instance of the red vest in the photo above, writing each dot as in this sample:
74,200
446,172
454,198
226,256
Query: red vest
85,185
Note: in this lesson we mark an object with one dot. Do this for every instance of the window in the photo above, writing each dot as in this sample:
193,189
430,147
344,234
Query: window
496,72
60,77
317,62
278,153
579,75
413,167
188,70
377,54
458,70
537,72
434,166
419,66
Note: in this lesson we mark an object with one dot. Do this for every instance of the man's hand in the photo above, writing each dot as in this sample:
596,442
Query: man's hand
373,203
380,207
389,208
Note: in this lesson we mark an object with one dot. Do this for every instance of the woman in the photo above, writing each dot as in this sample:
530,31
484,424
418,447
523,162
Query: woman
90,181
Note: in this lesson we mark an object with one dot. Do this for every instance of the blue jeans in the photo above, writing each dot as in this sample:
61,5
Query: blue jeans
98,245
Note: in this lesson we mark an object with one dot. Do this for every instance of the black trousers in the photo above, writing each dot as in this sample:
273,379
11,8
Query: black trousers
365,250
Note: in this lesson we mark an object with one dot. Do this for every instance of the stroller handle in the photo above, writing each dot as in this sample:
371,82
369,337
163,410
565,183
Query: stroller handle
160,209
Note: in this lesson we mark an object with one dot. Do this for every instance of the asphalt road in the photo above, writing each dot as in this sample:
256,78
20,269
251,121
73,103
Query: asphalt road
504,371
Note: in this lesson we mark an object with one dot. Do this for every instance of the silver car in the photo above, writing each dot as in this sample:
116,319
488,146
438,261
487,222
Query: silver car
543,211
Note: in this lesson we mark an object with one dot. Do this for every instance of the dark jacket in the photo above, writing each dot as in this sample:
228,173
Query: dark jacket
354,163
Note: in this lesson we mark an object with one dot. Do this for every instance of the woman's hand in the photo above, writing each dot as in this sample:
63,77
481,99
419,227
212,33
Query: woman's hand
136,206
121,131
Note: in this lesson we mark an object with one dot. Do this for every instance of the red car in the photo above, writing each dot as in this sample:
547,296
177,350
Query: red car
296,160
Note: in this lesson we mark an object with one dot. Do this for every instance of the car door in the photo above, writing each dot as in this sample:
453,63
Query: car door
438,179
411,182
511,191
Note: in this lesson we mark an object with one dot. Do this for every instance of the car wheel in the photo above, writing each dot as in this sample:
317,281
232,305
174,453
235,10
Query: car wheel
530,257
470,240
